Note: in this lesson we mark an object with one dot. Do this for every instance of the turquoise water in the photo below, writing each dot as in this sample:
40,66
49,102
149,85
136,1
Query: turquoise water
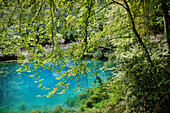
18,91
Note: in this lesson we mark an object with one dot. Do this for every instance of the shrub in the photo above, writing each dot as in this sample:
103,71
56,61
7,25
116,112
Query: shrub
105,95
120,107
81,108
95,98
58,109
82,96
91,92
89,103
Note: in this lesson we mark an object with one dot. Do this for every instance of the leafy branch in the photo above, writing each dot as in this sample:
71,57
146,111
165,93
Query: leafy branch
9,22
39,10
108,5
136,33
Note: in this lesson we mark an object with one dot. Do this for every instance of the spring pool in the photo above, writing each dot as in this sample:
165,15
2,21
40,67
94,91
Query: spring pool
19,92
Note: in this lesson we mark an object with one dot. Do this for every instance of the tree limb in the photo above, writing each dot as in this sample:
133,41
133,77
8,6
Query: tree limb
52,22
57,10
108,5
166,19
39,11
9,22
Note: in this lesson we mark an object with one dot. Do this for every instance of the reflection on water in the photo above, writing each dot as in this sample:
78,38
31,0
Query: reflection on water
19,92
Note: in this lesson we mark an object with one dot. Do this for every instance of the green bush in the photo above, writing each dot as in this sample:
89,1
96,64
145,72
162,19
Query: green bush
81,108
98,90
146,84
89,103
58,109
91,92
82,96
95,98
105,95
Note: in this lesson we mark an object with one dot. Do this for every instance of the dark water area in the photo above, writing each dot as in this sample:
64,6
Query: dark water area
19,92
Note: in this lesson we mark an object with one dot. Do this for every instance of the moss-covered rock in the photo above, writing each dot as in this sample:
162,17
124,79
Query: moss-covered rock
23,107
14,112
35,111
58,109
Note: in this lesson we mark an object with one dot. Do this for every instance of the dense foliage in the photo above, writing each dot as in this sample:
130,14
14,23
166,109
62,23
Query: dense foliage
123,31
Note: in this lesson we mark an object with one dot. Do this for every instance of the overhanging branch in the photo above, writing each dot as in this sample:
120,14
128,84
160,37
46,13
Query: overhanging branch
108,5
144,49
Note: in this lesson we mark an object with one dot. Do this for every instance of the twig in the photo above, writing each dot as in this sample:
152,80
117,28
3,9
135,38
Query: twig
57,10
52,37
39,11
12,14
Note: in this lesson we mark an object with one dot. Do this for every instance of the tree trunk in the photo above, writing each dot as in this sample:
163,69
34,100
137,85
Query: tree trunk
144,49
166,19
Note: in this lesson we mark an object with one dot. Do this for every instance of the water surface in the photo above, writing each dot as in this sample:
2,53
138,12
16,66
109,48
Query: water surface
18,91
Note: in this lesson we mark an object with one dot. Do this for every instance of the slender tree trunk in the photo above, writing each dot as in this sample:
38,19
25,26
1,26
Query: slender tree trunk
166,19
52,22
136,33
87,24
